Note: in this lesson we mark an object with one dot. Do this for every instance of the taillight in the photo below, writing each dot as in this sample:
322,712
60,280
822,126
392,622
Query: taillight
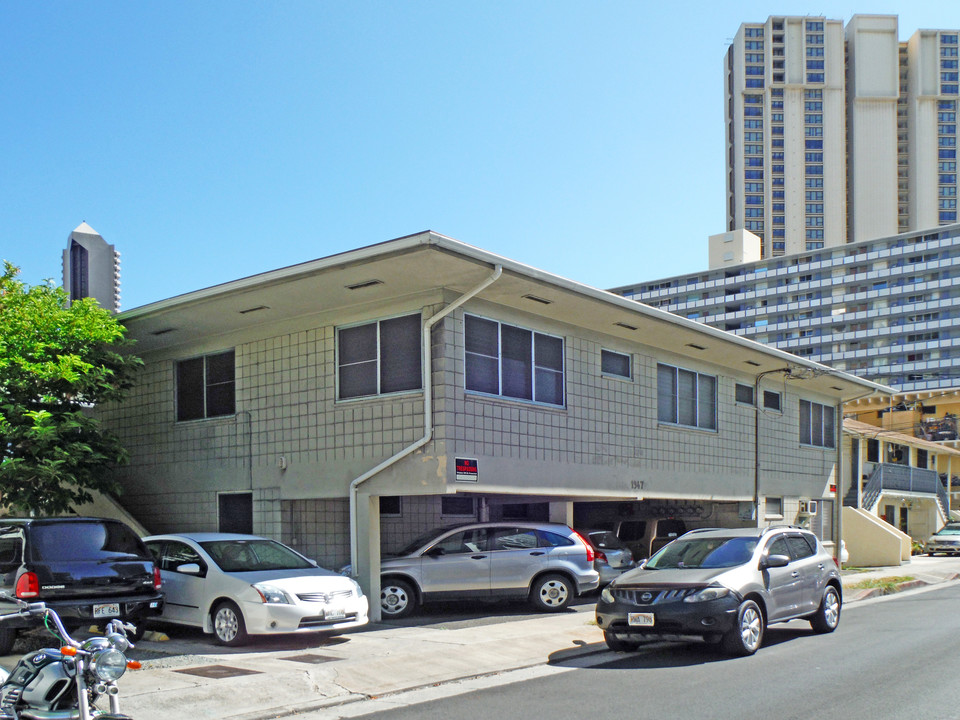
591,555
156,578
601,556
28,586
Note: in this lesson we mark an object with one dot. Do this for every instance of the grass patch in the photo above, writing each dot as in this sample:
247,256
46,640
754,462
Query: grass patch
887,585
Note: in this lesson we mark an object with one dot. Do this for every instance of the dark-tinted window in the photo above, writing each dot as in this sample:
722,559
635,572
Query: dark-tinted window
513,362
771,400
92,540
614,363
816,424
11,552
174,554
457,506
513,539
390,506
632,530
206,386
744,394
800,546
687,398
380,357
779,547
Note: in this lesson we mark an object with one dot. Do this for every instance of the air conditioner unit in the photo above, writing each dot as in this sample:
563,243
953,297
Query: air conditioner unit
807,507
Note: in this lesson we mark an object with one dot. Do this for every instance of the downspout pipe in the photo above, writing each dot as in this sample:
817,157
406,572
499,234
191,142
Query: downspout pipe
426,357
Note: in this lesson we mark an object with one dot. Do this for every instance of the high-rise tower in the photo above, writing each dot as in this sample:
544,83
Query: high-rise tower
91,268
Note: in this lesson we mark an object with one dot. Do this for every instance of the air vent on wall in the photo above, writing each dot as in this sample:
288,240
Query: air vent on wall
695,346
536,299
364,284
625,326
254,309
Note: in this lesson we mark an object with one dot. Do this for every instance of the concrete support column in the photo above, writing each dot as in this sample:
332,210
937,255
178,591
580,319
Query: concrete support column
861,456
912,456
367,571
562,512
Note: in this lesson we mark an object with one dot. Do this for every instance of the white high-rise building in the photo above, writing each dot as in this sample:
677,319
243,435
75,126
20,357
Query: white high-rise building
839,135
91,268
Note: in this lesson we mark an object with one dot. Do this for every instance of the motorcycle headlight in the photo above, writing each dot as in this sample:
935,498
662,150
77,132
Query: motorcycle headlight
607,595
272,594
710,593
108,665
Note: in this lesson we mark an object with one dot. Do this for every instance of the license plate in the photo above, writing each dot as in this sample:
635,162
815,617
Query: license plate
640,619
339,614
108,610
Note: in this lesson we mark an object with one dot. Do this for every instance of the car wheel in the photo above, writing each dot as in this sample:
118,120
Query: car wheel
618,645
551,593
827,616
8,636
745,637
228,624
397,599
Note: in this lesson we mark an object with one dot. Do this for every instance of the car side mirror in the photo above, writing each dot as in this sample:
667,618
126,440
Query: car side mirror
189,569
776,561
435,551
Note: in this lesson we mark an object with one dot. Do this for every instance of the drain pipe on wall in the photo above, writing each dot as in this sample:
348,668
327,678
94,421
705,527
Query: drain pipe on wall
426,380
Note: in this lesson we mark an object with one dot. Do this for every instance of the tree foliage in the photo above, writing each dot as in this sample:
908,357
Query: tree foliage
57,361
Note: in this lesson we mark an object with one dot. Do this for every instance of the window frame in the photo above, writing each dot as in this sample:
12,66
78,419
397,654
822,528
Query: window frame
740,401
678,397
445,514
807,418
181,388
378,360
606,372
531,361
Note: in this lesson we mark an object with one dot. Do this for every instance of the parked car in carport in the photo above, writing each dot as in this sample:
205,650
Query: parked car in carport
547,563
235,585
613,557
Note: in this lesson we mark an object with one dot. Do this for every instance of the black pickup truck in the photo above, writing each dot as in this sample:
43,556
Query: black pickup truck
87,569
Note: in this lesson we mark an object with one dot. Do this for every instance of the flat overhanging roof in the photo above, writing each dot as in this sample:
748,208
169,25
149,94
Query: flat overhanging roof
417,264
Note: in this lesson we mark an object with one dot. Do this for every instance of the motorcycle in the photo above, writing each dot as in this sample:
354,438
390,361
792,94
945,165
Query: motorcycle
65,683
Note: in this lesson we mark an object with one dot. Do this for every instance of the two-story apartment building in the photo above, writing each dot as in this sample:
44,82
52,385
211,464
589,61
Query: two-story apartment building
348,403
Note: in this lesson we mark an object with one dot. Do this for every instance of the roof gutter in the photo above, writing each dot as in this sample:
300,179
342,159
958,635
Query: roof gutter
426,380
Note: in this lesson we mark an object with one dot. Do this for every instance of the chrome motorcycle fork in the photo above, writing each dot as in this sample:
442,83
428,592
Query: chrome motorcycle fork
114,700
83,699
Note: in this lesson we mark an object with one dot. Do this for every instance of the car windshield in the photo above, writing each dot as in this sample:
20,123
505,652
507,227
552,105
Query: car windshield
702,552
254,555
949,530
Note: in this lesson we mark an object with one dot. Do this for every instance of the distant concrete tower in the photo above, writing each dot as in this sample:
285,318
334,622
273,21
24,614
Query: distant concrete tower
91,268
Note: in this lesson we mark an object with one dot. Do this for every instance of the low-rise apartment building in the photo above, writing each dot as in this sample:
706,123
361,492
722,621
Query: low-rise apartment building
346,404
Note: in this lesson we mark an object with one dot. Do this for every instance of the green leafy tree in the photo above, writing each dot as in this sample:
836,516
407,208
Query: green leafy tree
57,360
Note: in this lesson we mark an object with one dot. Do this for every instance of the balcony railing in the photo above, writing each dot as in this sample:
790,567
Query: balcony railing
902,478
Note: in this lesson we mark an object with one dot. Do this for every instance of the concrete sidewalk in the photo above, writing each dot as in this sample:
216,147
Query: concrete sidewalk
276,677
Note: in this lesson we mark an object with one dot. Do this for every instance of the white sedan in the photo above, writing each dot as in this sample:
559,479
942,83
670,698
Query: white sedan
239,585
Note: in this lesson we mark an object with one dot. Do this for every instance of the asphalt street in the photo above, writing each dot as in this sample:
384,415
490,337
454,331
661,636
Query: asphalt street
880,663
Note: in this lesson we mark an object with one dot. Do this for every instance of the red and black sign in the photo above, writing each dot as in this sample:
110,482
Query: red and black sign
467,470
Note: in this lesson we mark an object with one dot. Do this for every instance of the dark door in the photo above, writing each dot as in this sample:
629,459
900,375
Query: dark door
235,513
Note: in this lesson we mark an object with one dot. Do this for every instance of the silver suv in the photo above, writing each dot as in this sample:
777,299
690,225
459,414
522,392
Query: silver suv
723,586
547,563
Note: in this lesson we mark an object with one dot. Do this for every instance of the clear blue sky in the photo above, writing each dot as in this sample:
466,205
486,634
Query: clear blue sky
214,140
